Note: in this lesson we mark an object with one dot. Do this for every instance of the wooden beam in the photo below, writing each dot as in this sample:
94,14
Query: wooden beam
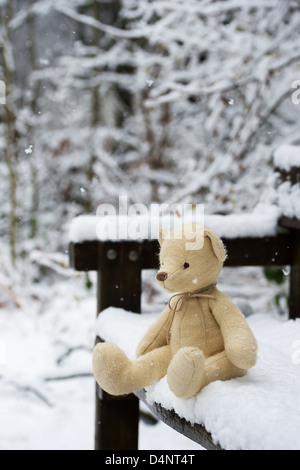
150,254
269,251
196,432
290,223
84,256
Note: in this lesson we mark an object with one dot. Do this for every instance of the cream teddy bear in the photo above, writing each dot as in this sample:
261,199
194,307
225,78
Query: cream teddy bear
200,337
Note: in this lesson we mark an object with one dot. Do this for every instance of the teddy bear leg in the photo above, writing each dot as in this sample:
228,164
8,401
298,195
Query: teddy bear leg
117,375
186,372
218,367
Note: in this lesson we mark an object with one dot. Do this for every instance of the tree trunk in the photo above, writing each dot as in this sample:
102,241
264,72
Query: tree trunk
35,93
10,132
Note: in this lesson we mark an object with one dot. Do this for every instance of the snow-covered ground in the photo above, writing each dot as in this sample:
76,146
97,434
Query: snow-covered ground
46,383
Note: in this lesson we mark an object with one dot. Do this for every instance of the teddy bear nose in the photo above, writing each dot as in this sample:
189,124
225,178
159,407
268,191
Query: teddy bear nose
161,276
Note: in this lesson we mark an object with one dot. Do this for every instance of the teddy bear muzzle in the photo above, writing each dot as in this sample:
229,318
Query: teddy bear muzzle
162,276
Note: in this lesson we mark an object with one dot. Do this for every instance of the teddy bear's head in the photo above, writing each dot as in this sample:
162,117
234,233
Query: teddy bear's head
191,258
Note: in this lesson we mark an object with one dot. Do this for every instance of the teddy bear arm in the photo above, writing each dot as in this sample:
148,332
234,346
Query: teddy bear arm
239,341
157,334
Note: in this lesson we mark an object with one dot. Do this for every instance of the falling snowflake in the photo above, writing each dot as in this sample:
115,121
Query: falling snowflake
29,150
231,102
150,83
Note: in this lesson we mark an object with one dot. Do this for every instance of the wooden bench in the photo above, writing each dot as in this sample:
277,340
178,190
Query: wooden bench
120,263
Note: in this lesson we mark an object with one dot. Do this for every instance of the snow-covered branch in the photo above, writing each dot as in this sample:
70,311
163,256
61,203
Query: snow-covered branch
92,22
215,9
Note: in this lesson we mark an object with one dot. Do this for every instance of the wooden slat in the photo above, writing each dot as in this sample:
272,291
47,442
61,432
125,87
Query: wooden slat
84,256
150,254
196,432
270,251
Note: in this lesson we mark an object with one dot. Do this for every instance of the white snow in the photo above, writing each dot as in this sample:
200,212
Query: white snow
47,390
83,228
287,156
260,411
288,199
29,150
260,223
49,338
285,195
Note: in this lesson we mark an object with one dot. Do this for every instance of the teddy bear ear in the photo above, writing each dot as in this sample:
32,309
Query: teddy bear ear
162,234
217,245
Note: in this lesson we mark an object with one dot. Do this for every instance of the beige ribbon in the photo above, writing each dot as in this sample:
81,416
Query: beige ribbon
198,294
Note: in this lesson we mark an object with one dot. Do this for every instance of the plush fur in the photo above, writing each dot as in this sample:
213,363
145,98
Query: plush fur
200,337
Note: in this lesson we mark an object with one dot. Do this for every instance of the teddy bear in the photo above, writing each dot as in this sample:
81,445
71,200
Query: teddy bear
200,337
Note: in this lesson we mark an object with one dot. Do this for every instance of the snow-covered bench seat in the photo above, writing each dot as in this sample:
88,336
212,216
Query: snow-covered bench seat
260,411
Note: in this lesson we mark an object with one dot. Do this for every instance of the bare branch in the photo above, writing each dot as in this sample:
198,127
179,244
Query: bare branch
89,21
261,120
83,375
31,390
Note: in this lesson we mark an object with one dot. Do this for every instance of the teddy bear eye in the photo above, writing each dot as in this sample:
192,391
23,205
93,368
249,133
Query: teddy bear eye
186,265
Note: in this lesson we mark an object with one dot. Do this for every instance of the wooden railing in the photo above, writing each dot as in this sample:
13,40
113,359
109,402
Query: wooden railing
119,265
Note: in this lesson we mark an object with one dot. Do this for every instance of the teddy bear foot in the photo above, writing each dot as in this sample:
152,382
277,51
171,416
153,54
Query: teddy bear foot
118,375
110,364
186,372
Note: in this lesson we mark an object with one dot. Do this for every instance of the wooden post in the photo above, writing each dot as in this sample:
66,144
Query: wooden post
295,277
292,175
119,285
293,225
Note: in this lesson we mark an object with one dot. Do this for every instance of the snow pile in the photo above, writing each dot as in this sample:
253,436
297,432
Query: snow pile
285,195
287,157
288,199
83,229
260,411
262,222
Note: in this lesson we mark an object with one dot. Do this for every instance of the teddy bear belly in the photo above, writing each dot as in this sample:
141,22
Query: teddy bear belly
188,330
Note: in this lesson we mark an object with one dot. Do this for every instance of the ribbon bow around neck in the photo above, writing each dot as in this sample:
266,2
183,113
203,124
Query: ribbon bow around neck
198,294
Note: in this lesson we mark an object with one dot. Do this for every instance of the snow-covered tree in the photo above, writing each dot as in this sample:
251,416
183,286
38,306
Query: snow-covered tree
209,86
168,101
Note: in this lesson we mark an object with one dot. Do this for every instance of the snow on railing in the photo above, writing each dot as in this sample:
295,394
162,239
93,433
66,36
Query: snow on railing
261,222
287,157
283,190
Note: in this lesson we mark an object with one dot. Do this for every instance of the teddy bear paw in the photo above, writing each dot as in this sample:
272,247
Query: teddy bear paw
109,365
186,372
